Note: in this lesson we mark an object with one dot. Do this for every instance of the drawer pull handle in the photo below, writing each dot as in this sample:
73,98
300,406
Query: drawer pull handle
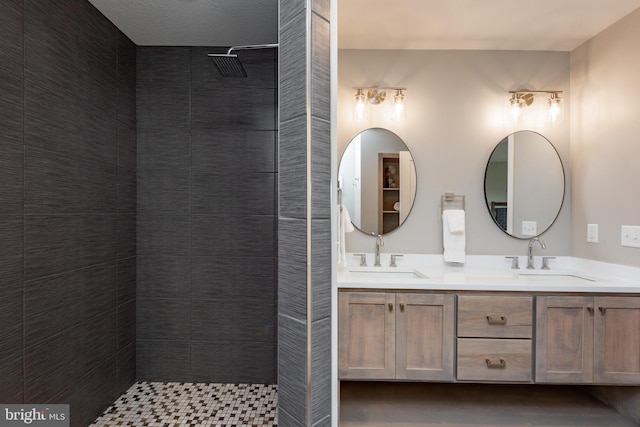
390,306
401,306
501,364
497,320
590,310
603,310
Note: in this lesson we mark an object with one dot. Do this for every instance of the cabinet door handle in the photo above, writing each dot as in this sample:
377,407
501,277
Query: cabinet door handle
496,320
590,310
603,310
501,364
390,306
401,306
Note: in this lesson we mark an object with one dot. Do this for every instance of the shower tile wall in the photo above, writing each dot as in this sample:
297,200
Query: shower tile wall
304,377
67,206
206,217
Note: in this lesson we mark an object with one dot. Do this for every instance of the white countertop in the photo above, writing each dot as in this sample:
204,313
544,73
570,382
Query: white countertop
490,273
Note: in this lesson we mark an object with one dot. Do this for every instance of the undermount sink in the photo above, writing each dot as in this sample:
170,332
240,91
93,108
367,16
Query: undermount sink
387,274
554,277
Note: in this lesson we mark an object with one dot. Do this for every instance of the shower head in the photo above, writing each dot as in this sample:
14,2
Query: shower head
229,64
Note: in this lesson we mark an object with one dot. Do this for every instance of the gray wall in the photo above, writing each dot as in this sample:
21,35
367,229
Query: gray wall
605,149
456,102
67,206
206,217
304,239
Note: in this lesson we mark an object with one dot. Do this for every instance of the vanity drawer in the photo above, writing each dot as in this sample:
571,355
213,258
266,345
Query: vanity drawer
494,360
485,316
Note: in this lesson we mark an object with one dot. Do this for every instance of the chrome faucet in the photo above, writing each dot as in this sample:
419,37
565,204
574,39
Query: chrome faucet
530,251
379,244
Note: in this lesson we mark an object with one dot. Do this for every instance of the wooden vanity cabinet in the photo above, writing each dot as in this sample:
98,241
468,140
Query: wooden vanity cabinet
584,340
395,335
494,338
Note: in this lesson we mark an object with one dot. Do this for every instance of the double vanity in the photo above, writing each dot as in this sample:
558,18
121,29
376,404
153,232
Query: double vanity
576,323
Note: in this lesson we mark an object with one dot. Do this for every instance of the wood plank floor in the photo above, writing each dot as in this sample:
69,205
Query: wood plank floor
377,404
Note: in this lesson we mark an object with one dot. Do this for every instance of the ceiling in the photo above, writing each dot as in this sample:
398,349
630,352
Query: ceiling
559,25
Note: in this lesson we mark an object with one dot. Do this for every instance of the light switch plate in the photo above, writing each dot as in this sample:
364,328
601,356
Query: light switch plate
630,236
529,228
592,233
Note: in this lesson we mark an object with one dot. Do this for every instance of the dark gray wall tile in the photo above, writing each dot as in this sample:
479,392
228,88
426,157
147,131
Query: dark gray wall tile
232,363
126,201
126,235
162,148
163,360
11,73
292,363
292,173
164,191
233,152
320,169
247,279
164,235
74,44
253,193
163,87
11,177
260,66
321,268
259,114
94,392
12,374
126,324
59,184
11,332
127,146
320,370
292,268
320,68
11,250
293,68
60,363
57,303
164,277
233,236
285,419
162,319
291,9
58,243
126,370
126,280
233,321
126,81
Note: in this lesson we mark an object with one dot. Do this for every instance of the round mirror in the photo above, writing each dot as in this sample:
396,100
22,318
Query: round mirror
524,184
377,177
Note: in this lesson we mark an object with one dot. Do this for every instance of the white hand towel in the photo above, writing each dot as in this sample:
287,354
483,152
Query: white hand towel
344,226
455,220
454,242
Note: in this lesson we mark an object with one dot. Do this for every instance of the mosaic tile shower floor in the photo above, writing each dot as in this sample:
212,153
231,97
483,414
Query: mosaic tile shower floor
157,404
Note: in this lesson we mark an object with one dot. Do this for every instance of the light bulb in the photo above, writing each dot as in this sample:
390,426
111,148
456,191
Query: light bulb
554,108
398,105
359,110
516,108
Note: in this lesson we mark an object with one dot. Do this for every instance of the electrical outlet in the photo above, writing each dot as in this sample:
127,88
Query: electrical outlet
630,236
529,228
592,233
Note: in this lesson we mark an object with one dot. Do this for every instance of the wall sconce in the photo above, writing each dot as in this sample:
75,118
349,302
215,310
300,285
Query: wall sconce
520,99
376,96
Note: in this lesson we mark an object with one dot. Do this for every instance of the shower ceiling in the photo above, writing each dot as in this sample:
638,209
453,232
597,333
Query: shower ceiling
369,24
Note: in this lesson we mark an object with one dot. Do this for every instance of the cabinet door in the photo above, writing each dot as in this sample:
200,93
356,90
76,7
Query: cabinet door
617,340
564,339
424,337
366,335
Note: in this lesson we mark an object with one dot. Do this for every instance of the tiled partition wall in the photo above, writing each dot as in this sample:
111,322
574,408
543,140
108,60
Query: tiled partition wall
67,206
206,217
304,270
